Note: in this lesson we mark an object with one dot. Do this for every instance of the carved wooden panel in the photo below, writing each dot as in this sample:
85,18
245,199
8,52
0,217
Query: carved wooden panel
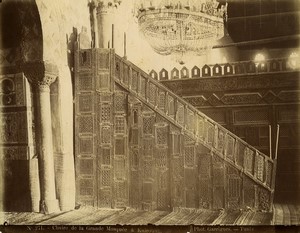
233,188
218,185
249,193
85,102
13,127
85,82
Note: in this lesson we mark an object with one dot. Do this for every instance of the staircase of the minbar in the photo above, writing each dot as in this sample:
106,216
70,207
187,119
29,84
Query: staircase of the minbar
259,167
183,159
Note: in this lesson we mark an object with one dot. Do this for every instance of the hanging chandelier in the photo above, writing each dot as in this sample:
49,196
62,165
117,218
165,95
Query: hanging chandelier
176,28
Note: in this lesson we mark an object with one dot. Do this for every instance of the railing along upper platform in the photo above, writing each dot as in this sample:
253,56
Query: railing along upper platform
229,69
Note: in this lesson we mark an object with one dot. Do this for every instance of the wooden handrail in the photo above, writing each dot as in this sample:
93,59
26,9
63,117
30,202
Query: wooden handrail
195,116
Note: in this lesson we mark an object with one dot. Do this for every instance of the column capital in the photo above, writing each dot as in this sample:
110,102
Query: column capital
40,73
106,5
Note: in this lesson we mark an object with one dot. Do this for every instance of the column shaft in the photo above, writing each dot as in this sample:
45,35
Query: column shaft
49,203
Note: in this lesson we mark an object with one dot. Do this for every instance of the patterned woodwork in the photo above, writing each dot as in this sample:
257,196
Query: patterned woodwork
17,141
145,147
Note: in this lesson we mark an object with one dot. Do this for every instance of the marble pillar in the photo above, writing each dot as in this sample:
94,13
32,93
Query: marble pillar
41,75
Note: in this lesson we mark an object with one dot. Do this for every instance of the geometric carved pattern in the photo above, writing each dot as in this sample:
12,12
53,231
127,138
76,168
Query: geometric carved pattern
263,199
105,177
143,86
210,132
171,107
85,82
126,71
218,176
119,168
260,167
148,147
119,124
86,146
134,80
86,187
106,134
204,166
134,136
106,156
147,168
270,97
233,187
152,93
148,123
120,103
189,156
248,160
230,147
134,162
240,153
176,144
105,97
105,198
161,199
85,103
180,113
251,98
161,135
103,60
120,146
249,192
85,124
221,140
162,157
177,167
269,169
204,193
147,191
249,116
190,119
120,189
161,100
105,113
103,81
13,127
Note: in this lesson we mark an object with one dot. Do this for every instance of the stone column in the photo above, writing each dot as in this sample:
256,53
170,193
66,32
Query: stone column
41,75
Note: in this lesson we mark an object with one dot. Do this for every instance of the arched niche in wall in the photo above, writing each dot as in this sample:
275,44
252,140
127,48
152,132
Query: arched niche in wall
239,68
274,65
153,74
217,70
196,72
174,73
184,72
262,67
206,71
250,67
228,69
163,75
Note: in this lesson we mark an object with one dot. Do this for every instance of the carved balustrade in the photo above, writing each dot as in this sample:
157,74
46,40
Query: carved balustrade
248,160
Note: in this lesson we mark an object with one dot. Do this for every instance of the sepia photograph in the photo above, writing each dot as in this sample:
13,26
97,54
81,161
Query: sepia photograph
149,115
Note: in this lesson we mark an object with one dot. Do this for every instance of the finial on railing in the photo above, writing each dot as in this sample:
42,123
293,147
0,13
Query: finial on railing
277,139
125,45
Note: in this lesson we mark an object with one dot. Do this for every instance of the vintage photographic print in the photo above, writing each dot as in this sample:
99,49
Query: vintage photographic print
182,114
